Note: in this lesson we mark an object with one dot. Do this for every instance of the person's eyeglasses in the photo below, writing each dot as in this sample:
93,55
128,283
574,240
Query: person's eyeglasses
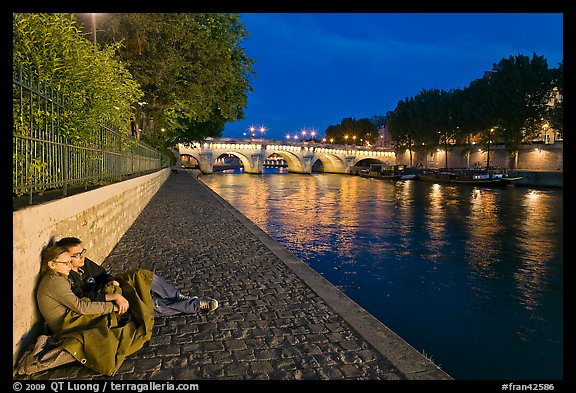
79,254
64,262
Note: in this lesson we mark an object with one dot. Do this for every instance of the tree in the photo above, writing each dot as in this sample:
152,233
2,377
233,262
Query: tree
556,110
98,86
379,120
402,126
358,132
520,87
191,67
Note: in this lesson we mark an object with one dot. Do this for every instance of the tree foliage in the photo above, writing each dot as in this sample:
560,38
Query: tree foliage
520,88
97,85
352,131
556,111
191,67
510,104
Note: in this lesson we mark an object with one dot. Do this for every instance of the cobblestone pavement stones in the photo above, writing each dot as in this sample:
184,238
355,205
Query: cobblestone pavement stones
270,325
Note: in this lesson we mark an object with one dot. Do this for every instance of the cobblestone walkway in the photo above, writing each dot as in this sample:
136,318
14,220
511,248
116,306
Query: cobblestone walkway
270,323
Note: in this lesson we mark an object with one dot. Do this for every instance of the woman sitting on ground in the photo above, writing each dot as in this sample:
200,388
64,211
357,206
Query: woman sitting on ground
90,280
100,334
55,297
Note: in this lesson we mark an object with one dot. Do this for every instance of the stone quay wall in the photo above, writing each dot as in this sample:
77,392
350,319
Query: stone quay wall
98,217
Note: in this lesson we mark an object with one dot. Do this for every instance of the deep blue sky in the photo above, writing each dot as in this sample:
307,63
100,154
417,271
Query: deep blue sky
315,69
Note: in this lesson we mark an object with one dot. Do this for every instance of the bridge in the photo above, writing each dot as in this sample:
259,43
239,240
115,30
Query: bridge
300,157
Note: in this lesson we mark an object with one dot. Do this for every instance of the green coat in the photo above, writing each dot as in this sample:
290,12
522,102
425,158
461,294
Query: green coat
102,342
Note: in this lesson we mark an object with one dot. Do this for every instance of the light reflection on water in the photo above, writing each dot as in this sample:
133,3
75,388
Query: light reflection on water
470,275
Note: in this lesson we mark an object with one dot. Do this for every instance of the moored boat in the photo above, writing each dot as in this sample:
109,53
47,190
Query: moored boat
490,177
387,172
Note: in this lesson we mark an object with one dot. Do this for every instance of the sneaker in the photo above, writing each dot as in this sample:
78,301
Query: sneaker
207,305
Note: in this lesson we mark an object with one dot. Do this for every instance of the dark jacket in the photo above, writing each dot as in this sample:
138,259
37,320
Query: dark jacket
89,281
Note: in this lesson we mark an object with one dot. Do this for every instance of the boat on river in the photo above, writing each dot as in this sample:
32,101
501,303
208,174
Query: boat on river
487,177
387,172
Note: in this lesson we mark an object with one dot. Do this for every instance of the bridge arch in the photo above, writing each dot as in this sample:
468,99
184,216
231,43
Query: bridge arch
247,163
295,164
331,163
190,159
375,157
366,161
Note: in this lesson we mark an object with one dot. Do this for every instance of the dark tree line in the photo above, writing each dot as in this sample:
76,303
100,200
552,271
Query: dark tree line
509,105
353,132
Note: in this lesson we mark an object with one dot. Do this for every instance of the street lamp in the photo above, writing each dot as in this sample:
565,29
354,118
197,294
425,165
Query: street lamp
142,117
489,141
93,18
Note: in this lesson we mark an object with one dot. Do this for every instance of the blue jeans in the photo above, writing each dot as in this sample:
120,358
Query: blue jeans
166,302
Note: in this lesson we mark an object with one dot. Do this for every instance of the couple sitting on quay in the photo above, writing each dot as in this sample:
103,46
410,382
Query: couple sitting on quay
94,317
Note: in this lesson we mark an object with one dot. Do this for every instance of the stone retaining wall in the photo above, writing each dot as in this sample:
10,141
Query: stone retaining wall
99,218
534,157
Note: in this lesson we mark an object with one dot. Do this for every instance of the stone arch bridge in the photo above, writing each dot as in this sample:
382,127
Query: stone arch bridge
299,156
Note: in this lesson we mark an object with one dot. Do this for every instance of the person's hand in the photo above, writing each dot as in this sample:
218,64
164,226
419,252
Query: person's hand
122,303
115,283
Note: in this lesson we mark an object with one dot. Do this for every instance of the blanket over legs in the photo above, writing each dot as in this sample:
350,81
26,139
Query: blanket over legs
102,342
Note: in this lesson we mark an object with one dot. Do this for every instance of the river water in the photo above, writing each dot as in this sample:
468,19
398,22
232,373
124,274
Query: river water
470,276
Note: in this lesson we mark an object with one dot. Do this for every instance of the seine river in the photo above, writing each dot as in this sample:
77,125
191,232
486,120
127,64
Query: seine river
470,276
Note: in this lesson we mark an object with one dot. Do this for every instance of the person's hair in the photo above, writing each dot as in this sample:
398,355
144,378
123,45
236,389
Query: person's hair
68,242
50,254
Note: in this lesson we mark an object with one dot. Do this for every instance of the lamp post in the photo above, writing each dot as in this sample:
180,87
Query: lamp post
94,28
545,128
142,118
489,141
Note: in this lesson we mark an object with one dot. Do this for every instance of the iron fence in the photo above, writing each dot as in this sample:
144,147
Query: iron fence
44,158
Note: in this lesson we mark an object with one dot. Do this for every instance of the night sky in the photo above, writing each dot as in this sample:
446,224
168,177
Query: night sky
314,69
